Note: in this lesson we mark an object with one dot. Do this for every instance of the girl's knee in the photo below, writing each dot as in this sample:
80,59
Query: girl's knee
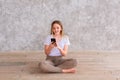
43,67
74,62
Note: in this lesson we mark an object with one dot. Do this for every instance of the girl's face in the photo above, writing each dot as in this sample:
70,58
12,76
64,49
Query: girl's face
56,29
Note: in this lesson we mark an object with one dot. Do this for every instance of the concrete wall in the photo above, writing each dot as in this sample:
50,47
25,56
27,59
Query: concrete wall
90,24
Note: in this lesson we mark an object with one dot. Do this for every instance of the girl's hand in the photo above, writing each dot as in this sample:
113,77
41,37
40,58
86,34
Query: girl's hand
52,45
62,51
49,47
58,46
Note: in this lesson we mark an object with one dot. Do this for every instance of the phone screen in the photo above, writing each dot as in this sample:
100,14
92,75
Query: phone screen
53,40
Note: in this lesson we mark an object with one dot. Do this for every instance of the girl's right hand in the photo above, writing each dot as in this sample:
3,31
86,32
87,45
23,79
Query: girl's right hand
52,45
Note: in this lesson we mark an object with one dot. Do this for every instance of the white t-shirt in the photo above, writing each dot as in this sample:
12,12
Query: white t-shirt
55,51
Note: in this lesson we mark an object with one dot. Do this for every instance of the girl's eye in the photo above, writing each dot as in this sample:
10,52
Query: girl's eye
57,27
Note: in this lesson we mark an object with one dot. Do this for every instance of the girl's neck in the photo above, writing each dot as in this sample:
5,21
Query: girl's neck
57,35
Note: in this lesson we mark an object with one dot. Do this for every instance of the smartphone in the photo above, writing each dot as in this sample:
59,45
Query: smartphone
53,40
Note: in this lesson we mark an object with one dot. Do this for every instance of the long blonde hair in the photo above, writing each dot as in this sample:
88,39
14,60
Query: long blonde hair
59,23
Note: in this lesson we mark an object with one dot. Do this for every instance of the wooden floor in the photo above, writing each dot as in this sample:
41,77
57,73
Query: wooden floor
91,66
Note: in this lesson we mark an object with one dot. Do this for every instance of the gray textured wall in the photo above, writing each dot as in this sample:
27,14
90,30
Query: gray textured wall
90,24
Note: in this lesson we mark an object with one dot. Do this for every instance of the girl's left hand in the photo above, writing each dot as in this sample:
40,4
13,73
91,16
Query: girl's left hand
57,46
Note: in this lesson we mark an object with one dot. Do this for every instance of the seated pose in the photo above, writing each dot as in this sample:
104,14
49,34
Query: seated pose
55,47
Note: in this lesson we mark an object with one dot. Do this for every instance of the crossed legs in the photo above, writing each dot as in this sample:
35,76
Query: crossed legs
63,65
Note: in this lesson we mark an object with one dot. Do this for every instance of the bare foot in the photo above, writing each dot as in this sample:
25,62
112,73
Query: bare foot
72,70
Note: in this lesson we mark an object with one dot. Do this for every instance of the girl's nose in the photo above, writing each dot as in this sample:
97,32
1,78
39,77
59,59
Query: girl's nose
55,29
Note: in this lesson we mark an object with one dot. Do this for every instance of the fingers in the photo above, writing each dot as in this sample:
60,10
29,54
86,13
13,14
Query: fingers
53,44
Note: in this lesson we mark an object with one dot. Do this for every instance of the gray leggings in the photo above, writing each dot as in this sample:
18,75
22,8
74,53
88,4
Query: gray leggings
56,64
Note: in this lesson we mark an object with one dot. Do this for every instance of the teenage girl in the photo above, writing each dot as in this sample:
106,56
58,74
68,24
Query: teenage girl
55,47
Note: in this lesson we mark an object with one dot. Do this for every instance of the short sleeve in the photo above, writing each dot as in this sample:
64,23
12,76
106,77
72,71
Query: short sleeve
47,40
67,41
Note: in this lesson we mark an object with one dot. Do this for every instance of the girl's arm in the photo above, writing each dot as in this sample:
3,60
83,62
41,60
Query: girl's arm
64,50
47,48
